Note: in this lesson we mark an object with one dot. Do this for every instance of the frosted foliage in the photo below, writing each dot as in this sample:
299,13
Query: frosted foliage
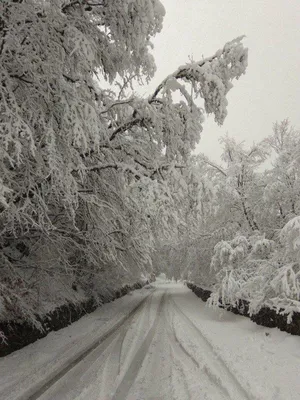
251,271
236,272
240,226
229,254
287,281
55,203
290,236
223,251
91,174
130,25
262,248
275,287
213,79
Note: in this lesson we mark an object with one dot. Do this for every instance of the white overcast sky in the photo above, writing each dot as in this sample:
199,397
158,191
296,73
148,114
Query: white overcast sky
270,90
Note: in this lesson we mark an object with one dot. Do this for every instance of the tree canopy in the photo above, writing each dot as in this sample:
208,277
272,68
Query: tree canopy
91,173
242,237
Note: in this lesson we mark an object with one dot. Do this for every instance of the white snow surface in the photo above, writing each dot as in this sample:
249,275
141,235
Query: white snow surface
170,347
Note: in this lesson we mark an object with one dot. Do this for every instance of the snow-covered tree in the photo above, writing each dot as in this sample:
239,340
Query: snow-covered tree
257,265
239,231
282,193
88,169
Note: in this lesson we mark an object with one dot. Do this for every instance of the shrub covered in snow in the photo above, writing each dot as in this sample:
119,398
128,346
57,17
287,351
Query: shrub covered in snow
256,270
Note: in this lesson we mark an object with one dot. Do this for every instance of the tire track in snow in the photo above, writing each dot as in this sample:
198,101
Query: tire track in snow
207,386
133,369
111,366
171,330
220,368
47,383
113,363
138,333
178,375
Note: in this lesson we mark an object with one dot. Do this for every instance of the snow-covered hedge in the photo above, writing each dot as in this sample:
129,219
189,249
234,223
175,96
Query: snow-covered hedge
260,271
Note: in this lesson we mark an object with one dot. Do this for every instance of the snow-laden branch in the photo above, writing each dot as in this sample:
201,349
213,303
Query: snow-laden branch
217,167
80,164
126,126
210,78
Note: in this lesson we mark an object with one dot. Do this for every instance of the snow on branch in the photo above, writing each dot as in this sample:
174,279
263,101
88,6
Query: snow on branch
177,126
211,78
80,162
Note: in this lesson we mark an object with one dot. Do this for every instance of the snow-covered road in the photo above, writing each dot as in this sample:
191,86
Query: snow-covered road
160,343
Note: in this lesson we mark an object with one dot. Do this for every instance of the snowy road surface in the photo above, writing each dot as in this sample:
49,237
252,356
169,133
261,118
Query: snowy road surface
160,343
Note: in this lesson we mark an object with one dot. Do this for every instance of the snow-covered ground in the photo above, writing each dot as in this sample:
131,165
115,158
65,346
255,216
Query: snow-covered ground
157,343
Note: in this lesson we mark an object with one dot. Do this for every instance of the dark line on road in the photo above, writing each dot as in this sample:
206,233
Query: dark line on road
135,365
65,369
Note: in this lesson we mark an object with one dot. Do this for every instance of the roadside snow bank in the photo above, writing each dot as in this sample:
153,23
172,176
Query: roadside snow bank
14,335
30,366
270,318
265,361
